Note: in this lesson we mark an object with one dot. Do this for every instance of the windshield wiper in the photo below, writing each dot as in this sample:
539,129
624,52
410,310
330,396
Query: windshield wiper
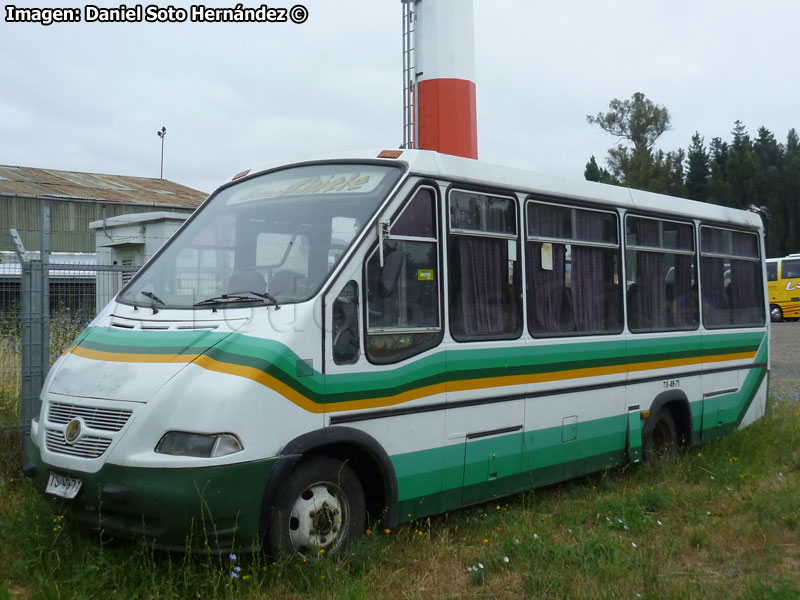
239,297
155,299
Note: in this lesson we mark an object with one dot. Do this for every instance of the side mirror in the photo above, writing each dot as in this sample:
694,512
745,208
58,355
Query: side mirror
390,272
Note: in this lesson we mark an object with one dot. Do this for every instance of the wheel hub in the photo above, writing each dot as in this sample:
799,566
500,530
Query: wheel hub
316,519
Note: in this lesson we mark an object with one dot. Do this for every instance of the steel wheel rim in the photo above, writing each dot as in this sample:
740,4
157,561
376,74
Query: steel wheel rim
318,519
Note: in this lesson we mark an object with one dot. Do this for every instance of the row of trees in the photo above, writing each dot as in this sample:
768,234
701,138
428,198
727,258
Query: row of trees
741,173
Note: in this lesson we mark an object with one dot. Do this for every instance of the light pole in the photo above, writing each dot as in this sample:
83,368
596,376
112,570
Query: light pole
162,134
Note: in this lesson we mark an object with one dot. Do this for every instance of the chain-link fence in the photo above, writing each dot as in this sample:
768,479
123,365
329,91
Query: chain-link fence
46,299
10,358
10,351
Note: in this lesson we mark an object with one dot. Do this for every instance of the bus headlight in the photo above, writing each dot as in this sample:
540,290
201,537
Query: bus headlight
183,443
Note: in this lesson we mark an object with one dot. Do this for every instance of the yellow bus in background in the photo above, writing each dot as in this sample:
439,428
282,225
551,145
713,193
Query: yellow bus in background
783,282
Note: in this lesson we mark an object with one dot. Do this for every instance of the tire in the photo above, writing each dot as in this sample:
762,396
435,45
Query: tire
775,314
661,438
320,508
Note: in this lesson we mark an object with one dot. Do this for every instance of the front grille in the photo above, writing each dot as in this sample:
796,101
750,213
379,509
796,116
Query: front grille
96,420
88,446
104,419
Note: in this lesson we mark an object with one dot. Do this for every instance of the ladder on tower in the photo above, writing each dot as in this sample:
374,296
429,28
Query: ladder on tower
409,74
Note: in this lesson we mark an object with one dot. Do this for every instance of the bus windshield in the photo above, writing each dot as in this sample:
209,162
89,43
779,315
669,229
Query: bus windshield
272,238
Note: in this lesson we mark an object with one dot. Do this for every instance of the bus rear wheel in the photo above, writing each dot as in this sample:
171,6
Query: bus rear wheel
775,313
320,510
661,441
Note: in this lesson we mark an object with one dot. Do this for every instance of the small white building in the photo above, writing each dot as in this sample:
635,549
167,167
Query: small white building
130,241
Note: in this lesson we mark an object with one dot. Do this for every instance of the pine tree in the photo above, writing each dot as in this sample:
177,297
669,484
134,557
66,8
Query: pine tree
742,174
791,192
698,170
769,187
741,167
719,188
594,172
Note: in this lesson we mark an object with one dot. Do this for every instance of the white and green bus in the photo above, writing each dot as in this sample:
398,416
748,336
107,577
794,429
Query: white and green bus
393,335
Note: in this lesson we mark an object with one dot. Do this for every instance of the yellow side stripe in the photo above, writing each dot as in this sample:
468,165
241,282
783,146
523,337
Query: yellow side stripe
304,402
133,358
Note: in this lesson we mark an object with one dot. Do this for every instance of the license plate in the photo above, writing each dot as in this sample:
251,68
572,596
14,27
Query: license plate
65,487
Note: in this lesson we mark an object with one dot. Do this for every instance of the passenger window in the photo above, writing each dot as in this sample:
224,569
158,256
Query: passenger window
403,293
731,281
660,275
419,217
485,281
772,271
573,267
790,269
346,340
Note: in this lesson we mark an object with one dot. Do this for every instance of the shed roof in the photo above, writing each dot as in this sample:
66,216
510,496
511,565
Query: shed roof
74,185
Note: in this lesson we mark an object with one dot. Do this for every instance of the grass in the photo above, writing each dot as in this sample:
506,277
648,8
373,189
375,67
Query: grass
722,521
65,325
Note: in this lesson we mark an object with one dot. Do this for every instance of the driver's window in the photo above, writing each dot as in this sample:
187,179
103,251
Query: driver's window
403,293
346,340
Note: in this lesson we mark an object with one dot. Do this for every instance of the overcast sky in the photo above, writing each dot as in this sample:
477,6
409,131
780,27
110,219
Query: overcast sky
90,97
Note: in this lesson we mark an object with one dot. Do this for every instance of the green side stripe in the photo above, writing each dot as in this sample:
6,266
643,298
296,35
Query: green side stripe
92,344
752,382
149,342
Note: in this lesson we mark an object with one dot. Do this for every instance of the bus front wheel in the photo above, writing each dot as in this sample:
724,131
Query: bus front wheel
320,510
775,313
661,441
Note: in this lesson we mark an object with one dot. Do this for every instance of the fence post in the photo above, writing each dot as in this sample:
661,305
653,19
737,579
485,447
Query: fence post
30,328
44,256
35,320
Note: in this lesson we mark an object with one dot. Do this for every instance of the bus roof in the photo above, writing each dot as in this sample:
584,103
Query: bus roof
787,257
476,172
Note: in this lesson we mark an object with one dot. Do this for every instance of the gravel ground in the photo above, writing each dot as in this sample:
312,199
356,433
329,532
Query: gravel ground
784,349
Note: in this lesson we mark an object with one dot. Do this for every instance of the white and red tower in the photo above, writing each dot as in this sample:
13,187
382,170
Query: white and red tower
439,72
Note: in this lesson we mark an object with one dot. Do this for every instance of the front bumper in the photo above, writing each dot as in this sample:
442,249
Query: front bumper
210,508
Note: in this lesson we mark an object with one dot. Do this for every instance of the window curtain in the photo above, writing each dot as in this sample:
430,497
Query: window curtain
483,266
546,286
546,293
712,278
588,285
745,287
684,295
649,298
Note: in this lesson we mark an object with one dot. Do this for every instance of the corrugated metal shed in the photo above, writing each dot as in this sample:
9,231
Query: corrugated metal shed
111,189
76,199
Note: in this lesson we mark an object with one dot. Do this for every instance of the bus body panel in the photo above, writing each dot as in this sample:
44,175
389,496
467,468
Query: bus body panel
784,285
460,421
